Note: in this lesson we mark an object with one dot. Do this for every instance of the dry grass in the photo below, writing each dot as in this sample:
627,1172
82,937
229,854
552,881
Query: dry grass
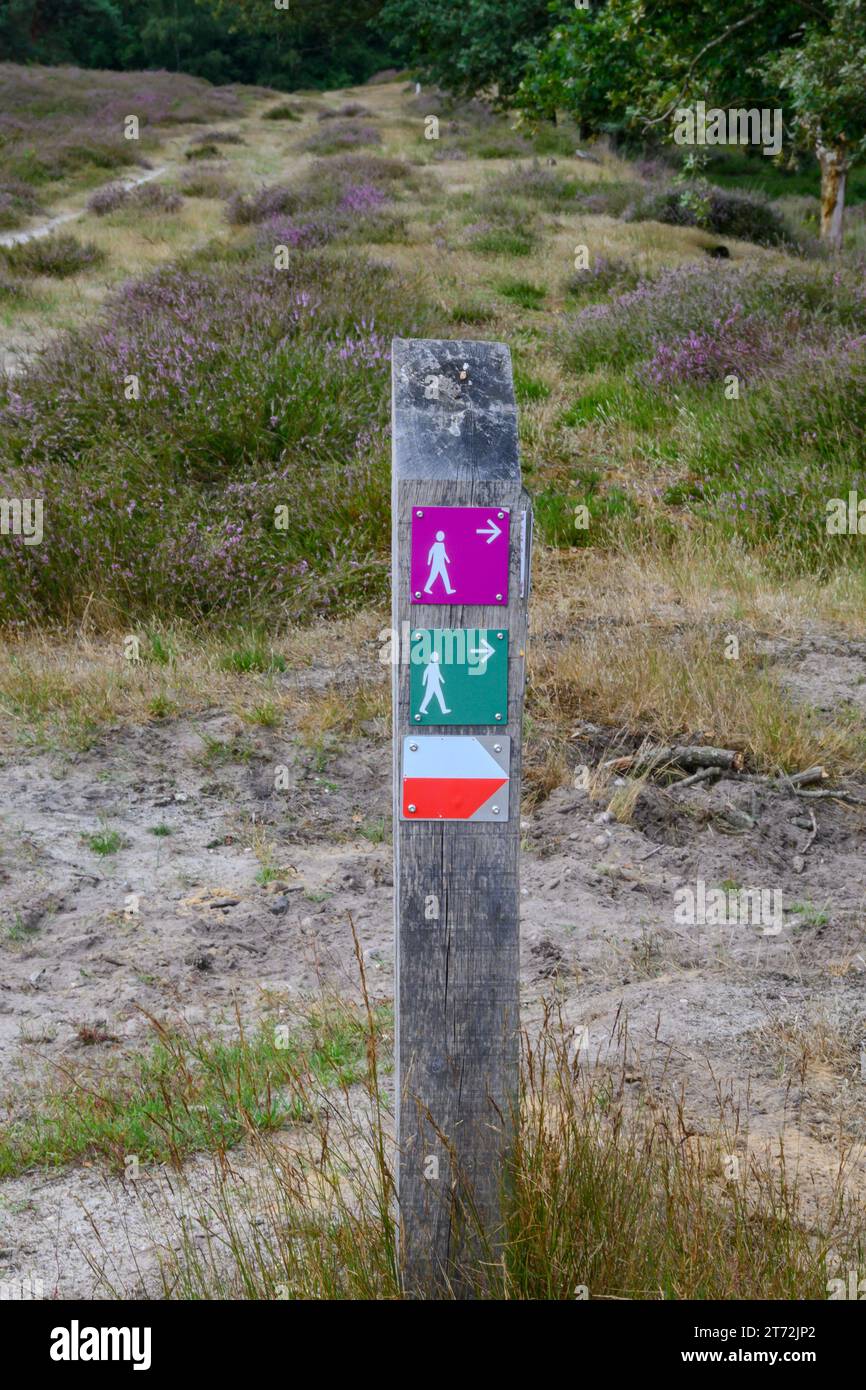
608,1199
67,689
672,684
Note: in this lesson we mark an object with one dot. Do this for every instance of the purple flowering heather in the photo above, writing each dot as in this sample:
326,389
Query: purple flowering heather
258,389
362,197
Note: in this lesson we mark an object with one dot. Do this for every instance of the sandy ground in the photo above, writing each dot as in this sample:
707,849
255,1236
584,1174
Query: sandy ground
760,1024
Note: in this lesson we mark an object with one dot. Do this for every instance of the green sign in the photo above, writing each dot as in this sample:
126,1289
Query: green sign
459,675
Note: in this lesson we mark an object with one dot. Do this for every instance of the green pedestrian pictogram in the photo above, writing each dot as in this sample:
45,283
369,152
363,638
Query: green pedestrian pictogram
459,676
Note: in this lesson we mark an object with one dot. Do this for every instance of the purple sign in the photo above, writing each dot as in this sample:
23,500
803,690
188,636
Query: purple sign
460,555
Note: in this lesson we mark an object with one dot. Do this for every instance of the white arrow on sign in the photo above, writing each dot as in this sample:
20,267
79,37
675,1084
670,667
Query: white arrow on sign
491,530
485,651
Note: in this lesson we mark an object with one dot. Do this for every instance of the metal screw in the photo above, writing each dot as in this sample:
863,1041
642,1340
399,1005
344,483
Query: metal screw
418,718
497,747
410,808
500,635
499,716
501,514
417,593
413,747
419,513
498,598
494,809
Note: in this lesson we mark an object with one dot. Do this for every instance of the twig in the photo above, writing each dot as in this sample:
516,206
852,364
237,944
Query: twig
812,833
847,797
700,776
713,43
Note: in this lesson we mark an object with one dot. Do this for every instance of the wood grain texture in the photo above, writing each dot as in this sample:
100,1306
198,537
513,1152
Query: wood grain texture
455,444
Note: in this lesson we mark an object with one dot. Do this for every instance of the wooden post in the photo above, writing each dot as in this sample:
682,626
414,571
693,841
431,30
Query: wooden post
456,880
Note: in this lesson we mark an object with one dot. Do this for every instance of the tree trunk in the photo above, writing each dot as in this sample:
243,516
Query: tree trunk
834,171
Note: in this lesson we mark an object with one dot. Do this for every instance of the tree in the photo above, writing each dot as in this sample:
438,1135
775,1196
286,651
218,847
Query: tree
469,46
629,64
329,43
825,79
46,32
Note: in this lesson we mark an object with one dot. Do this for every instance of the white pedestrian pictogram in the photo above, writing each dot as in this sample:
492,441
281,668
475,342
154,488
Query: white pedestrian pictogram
432,679
437,560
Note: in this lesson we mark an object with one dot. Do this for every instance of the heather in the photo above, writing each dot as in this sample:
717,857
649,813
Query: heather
603,274
695,323
540,184
147,197
10,289
60,255
17,203
767,469
350,198
206,181
344,112
286,111
56,122
259,389
341,135
218,137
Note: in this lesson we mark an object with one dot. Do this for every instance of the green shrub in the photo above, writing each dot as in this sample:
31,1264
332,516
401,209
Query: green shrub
557,518
528,390
284,112
528,296
59,256
726,212
499,241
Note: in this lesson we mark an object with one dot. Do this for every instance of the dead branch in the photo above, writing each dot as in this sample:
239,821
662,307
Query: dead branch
690,757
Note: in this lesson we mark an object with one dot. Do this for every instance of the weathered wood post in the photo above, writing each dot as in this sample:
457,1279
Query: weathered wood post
461,549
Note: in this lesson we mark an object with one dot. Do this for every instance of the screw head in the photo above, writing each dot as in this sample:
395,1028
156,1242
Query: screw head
497,747
413,747
500,514
499,636
498,598
419,513
498,716
410,808
417,718
417,593
495,810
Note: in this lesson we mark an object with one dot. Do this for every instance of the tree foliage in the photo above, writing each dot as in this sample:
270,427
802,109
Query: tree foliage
627,64
470,46
824,80
327,43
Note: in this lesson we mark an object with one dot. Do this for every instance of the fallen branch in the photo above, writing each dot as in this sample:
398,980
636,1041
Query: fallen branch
784,779
702,775
812,774
847,797
813,833
685,756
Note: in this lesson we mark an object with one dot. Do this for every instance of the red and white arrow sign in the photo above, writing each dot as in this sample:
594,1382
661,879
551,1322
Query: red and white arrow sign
455,777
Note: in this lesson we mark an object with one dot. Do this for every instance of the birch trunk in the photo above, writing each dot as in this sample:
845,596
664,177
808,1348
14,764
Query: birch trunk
834,172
